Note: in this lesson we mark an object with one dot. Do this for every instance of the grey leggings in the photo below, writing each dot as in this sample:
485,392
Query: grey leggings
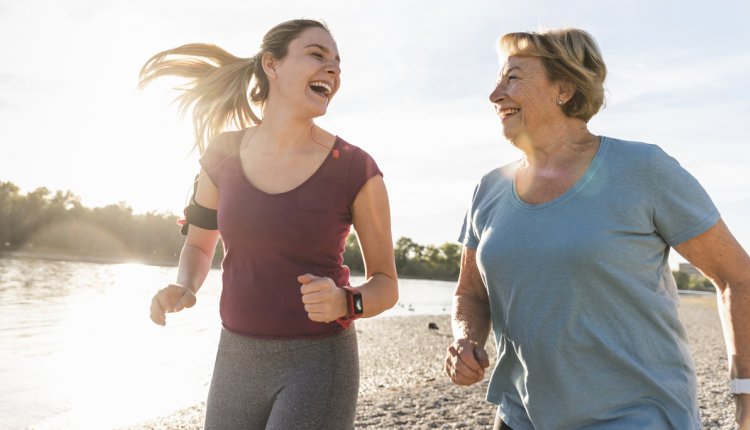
284,384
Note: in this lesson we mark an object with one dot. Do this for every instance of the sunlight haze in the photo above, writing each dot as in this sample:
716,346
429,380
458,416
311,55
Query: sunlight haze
415,81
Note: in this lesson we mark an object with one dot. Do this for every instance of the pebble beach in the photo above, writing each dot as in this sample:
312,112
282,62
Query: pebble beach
403,385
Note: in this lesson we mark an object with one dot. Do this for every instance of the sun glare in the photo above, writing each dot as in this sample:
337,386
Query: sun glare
115,362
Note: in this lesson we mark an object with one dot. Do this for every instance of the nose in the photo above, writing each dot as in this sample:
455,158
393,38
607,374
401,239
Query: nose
497,94
333,68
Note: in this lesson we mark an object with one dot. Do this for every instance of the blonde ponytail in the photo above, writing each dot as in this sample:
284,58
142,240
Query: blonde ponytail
218,87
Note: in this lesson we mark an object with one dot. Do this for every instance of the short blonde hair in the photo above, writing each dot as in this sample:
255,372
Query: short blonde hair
567,54
221,86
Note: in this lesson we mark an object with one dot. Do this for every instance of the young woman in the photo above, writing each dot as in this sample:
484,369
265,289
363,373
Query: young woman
283,194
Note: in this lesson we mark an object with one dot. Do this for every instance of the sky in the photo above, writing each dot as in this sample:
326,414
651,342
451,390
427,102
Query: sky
415,81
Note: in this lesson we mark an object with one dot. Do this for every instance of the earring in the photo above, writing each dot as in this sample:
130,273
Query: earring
559,102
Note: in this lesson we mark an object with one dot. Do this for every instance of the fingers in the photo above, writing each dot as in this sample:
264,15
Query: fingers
187,299
481,355
173,298
157,312
465,362
306,278
323,301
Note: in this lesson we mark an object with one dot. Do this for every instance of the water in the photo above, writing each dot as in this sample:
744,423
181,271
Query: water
77,349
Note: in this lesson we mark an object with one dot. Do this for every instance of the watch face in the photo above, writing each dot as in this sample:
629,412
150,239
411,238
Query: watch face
358,307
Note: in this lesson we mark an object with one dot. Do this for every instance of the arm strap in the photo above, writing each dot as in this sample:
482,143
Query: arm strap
197,215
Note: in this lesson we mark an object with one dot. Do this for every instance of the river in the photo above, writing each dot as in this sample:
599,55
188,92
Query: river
77,349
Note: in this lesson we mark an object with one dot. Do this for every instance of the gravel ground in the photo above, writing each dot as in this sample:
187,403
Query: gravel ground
403,387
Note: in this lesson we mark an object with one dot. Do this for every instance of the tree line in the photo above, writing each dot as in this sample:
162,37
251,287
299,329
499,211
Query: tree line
43,222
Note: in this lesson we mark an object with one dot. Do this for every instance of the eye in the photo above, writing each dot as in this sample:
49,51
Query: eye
317,55
512,77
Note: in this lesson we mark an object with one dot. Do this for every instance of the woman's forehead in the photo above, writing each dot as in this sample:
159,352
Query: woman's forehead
519,62
317,37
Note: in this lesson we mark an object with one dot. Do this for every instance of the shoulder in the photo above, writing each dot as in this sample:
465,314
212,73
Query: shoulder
356,158
628,150
493,184
225,142
350,151
498,177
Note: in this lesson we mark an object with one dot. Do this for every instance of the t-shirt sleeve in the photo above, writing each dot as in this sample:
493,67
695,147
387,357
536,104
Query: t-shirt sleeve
362,168
215,155
468,236
682,209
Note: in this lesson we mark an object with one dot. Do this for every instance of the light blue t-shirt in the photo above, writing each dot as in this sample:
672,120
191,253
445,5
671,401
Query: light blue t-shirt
583,301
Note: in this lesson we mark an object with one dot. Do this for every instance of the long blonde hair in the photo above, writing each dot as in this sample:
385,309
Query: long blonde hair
219,84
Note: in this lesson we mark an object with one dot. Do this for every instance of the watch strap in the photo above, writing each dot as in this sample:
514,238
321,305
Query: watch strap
739,386
354,306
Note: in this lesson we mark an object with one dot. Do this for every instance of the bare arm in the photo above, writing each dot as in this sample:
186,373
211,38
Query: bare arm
720,257
471,305
466,358
200,244
372,222
195,261
325,302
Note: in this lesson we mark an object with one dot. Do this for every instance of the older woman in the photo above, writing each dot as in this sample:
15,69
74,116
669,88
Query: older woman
566,258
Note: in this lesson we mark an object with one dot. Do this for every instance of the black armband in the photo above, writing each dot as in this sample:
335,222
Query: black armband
197,215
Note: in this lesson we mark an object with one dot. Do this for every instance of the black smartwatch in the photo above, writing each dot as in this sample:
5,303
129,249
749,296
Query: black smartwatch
355,307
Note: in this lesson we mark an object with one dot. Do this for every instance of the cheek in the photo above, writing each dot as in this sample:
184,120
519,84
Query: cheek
532,101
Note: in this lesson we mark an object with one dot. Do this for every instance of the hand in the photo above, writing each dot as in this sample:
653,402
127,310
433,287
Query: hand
465,362
742,415
173,298
324,301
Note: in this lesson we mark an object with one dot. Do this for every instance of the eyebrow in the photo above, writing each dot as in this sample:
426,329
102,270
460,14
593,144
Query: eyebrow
322,48
506,72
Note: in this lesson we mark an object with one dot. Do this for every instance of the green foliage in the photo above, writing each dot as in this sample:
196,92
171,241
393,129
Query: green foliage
353,255
692,282
412,259
57,223
42,222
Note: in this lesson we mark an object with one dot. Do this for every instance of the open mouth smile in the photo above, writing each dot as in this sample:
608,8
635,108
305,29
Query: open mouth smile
322,88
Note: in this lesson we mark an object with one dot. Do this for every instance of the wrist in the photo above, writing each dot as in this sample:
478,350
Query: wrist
739,386
187,287
354,306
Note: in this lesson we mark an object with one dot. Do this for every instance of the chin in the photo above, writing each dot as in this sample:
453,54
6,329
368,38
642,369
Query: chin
509,135
318,113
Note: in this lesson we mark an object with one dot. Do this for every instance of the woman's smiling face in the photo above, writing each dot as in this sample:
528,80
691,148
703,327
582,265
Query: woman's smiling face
524,97
309,75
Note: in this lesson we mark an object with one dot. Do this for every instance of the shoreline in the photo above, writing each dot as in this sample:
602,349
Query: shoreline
58,255
402,384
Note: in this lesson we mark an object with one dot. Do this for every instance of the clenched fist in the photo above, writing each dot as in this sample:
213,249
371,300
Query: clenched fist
173,298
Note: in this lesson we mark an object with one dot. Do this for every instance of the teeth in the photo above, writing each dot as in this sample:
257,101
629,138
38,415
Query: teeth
324,86
506,112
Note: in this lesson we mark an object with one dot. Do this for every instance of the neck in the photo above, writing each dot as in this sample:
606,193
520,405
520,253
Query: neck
282,132
565,144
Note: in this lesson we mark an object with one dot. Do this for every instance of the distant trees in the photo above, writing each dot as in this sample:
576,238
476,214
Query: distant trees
45,222
57,223
427,261
412,259
686,281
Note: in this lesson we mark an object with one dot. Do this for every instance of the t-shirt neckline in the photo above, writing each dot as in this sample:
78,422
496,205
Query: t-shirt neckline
317,172
590,171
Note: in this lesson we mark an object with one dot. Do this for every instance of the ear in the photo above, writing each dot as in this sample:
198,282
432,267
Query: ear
565,90
269,65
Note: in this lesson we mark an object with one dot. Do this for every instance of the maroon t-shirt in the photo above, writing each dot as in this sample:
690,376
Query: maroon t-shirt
270,239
